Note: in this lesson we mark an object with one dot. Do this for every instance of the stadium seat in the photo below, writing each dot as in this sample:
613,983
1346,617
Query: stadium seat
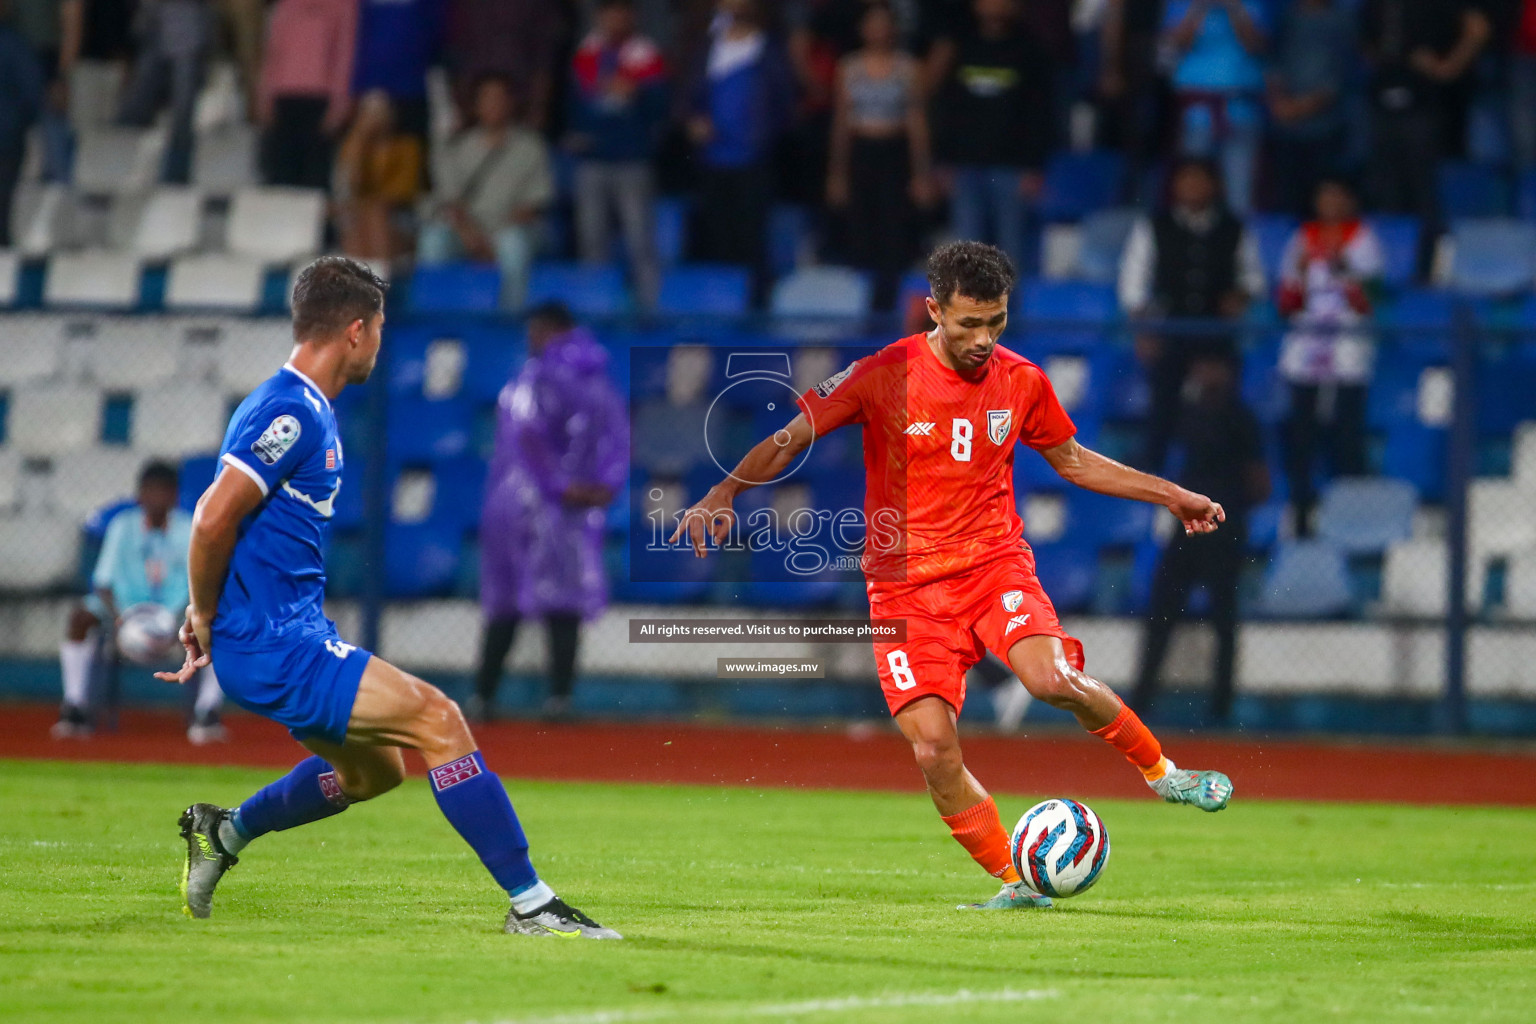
10,265
705,289
494,355
1061,248
1097,519
38,551
175,420
456,288
197,474
94,87
1506,382
420,559
1104,234
276,225
1499,522
822,292
1064,315
1306,579
224,159
1416,453
1413,581
53,419
1520,586
788,228
88,479
169,223
1399,236
113,161
31,351
128,353
1271,233
1522,457
424,431
1494,256
1470,190
103,280
1364,515
10,480
459,491
215,281
671,214
250,349
1077,184
589,291
38,218
1069,572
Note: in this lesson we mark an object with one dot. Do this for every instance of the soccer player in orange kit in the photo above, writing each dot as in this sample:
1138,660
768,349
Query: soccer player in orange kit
944,550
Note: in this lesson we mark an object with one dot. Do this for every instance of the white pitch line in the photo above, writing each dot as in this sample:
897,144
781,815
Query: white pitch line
844,1004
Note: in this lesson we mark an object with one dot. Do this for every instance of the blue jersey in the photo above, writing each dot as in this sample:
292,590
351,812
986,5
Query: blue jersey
283,436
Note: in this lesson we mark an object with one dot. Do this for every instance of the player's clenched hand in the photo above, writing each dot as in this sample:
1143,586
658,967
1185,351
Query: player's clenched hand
197,640
714,514
1198,513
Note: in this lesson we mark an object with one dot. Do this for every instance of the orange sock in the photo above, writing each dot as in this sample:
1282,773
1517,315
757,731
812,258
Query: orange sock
1132,738
981,832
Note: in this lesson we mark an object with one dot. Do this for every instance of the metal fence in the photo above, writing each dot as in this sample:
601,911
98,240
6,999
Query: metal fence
1412,605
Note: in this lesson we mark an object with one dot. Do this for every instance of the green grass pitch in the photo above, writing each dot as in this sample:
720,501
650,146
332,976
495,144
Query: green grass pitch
754,905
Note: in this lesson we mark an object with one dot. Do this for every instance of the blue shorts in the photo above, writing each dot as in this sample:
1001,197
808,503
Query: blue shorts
309,684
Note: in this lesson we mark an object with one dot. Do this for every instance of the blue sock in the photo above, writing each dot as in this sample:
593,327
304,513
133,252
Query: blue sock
308,793
475,803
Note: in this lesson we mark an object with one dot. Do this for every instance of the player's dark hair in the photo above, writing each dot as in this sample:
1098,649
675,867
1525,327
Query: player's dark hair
158,471
973,269
552,314
332,292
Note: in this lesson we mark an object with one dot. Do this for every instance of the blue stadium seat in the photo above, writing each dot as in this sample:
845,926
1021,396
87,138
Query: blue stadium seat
1494,256
423,431
822,291
1416,453
197,475
408,357
671,214
459,490
1307,579
772,585
1071,315
1506,384
1365,515
1263,387
1032,474
1077,184
1271,232
421,559
1470,190
705,289
1097,519
456,288
494,354
588,290
661,577
350,502
1104,234
788,225
1399,235
1069,573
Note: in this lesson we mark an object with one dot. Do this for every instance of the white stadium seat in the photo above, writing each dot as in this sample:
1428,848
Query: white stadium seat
278,225
169,223
1523,457
38,216
179,419
822,291
1520,586
117,161
250,351
215,281
10,479
1498,517
85,481
53,419
1413,580
106,280
31,349
127,353
224,159
94,87
38,551
10,263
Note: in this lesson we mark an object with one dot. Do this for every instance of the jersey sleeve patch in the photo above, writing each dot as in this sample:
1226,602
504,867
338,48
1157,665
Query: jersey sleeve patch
281,435
826,387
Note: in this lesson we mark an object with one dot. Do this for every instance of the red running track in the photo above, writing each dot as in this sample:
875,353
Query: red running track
874,758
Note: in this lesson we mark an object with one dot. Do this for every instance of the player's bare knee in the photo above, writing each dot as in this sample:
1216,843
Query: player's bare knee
938,759
441,722
1057,685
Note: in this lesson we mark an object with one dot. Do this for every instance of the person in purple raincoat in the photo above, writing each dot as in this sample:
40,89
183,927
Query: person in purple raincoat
562,451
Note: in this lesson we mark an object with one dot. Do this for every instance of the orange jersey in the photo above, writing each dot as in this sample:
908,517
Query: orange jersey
938,454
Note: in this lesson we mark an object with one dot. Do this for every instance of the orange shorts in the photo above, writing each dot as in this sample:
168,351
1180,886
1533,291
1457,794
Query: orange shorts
952,622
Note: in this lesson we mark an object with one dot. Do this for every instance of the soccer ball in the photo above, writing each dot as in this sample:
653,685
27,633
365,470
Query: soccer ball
147,634
1059,847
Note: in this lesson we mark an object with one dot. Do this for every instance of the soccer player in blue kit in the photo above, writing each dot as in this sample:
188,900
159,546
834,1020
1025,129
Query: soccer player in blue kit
257,586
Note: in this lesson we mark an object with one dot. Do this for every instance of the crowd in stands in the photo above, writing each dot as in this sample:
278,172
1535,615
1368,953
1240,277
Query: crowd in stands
891,121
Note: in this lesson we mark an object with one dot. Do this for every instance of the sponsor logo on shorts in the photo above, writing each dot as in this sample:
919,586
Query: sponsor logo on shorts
445,775
1012,600
1015,622
826,387
920,429
274,442
999,422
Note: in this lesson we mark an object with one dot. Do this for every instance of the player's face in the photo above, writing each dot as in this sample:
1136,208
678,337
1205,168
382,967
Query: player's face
366,351
969,328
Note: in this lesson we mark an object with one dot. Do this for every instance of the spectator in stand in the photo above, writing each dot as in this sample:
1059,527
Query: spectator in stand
618,109
562,451
493,184
992,141
378,181
880,156
54,29
305,94
21,100
1218,85
1224,457
1314,62
739,111
397,42
1132,95
1328,276
1522,87
175,41
519,40
1194,260
1416,49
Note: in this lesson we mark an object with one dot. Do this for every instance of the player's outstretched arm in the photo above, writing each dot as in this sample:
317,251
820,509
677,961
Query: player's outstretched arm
215,528
1094,472
765,463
